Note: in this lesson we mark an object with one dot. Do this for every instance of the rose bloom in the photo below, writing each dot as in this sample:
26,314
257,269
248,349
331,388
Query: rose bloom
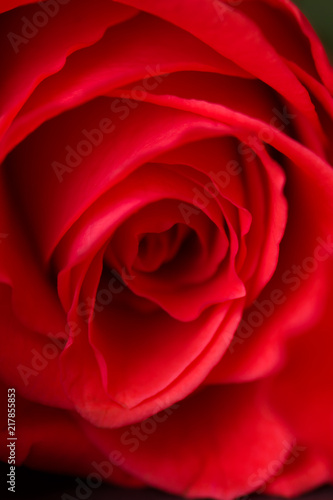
166,244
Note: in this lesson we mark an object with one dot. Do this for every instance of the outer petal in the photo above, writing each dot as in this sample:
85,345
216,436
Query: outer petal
260,58
90,71
49,439
29,360
39,56
302,393
40,308
206,446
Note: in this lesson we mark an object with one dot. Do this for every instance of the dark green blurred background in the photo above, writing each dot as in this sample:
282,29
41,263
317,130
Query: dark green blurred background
320,14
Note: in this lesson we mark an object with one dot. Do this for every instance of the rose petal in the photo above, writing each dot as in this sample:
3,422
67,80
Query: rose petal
40,56
90,71
202,446
68,452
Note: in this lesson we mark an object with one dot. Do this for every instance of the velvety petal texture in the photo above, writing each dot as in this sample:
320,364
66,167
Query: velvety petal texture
166,243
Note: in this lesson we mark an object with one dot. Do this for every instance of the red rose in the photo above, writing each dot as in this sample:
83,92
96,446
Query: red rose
166,244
